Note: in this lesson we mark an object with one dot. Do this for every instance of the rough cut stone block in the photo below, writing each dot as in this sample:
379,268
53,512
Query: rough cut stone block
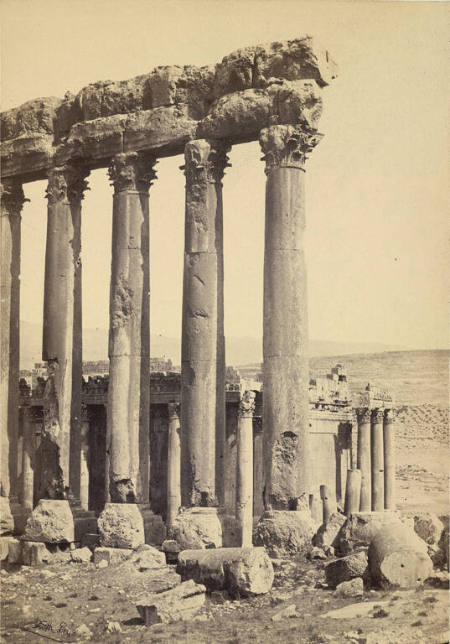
15,551
111,555
121,526
354,565
4,546
327,533
352,588
81,555
197,528
148,558
360,527
35,553
398,558
179,603
284,532
50,522
6,517
428,527
241,571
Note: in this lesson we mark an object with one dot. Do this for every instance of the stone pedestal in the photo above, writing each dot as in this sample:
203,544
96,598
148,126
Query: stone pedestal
285,341
51,522
244,483
12,199
121,526
202,342
173,465
62,325
285,533
129,331
389,459
376,449
198,528
363,458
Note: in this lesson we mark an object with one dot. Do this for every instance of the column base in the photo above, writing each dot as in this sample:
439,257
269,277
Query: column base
285,533
198,528
85,521
154,528
51,521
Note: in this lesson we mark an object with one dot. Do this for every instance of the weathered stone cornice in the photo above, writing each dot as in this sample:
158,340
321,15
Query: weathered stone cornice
249,90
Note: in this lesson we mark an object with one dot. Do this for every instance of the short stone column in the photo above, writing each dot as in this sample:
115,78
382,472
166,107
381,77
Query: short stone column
28,427
84,460
173,465
128,412
61,336
389,459
12,200
285,331
376,445
244,473
200,345
327,506
352,492
363,458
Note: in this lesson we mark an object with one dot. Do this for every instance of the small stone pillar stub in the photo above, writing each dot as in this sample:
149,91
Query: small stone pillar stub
285,332
377,459
129,331
202,349
244,482
389,459
62,323
12,200
363,458
352,492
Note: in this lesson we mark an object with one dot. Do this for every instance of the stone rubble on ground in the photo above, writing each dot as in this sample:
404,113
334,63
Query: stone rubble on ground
346,568
285,533
179,603
352,588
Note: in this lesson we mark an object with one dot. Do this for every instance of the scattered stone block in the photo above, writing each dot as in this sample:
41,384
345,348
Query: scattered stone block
148,558
50,522
35,553
196,528
346,568
120,525
360,527
81,555
4,546
180,603
6,517
439,579
288,611
285,532
398,558
316,553
15,551
111,555
327,533
427,526
240,571
352,588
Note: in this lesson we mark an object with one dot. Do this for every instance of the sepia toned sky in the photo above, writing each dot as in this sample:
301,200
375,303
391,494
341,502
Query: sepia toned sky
376,185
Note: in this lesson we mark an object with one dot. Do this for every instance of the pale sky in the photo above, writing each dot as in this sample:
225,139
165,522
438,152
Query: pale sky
376,184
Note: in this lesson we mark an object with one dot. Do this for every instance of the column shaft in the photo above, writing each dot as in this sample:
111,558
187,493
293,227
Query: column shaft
61,346
12,199
244,480
202,292
84,461
27,460
389,459
173,465
352,492
376,443
285,332
363,458
128,443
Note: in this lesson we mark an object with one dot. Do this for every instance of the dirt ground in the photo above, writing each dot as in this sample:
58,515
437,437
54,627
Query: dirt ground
50,602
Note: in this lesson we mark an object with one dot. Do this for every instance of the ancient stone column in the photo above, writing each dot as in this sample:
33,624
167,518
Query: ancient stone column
84,460
128,444
244,470
376,449
327,506
363,458
173,465
389,459
27,492
352,492
12,199
201,327
285,332
258,467
61,333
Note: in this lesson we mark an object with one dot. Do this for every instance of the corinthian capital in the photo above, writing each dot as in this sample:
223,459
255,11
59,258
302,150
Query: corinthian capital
12,197
67,183
132,171
205,161
174,411
377,415
247,404
389,415
363,414
287,146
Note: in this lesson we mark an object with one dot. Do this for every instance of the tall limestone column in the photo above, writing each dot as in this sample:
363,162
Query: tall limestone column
363,458
285,332
377,458
173,465
128,412
244,479
389,459
61,332
12,199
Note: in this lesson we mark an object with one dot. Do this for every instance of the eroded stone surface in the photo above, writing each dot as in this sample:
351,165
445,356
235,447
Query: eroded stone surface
346,568
197,528
121,526
352,588
179,603
327,533
359,529
284,532
6,517
51,522
111,555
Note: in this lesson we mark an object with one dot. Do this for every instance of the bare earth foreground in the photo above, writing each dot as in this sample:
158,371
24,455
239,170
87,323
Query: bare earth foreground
51,602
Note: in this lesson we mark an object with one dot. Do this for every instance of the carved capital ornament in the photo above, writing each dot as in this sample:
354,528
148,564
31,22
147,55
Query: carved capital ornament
287,146
67,183
132,171
247,404
205,161
12,197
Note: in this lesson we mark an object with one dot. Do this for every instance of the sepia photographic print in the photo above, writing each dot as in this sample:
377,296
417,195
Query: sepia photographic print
224,326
